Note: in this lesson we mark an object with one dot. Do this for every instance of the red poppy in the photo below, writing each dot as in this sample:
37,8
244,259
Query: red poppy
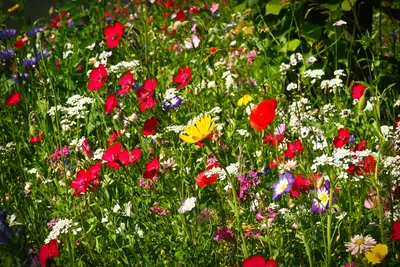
149,103
19,44
126,82
113,34
152,168
368,164
13,99
36,139
48,251
114,136
203,179
195,9
147,90
150,126
395,235
97,78
184,76
258,261
358,91
397,122
86,149
111,103
293,149
300,185
180,15
263,114
111,154
342,139
86,181
273,140
135,155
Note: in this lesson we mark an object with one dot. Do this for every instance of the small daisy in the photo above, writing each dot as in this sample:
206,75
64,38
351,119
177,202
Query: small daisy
360,244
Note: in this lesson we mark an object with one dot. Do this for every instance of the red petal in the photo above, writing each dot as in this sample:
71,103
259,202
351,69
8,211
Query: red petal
112,152
263,114
136,153
254,261
150,126
111,103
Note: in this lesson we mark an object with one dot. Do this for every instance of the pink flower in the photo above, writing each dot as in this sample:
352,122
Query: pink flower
214,8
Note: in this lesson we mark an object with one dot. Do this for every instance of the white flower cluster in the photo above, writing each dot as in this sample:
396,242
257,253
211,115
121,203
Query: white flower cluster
124,66
291,86
335,83
392,164
76,110
61,227
314,75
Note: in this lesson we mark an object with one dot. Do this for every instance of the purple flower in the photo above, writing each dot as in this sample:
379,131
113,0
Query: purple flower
30,62
283,186
44,53
32,33
321,202
172,103
7,34
223,233
7,54
5,230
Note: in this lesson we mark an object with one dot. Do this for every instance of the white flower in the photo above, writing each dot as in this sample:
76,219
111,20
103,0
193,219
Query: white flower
291,86
91,47
187,204
116,208
339,23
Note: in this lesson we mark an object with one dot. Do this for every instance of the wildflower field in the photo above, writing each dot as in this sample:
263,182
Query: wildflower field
201,133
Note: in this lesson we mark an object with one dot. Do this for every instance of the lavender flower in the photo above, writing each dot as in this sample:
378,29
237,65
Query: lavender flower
283,186
7,54
321,202
7,34
223,233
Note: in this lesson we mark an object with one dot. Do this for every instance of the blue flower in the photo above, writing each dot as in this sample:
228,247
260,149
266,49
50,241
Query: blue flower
283,186
7,54
5,230
32,33
172,103
7,34
29,62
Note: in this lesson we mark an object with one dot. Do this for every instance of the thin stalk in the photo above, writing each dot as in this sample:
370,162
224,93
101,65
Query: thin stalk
235,203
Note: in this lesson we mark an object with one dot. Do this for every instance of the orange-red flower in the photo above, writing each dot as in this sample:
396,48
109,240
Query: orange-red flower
263,114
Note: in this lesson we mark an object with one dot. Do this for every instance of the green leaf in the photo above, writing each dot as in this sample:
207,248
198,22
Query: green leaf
252,2
274,7
348,4
240,7
291,45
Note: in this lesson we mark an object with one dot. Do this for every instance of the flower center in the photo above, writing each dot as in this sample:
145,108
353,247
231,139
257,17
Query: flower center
359,241
115,36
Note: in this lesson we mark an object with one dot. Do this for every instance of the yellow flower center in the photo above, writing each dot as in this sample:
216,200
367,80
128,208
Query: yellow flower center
360,241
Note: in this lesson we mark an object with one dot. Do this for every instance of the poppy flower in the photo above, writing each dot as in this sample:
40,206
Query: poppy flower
203,179
97,78
126,82
86,149
150,126
13,99
262,115
180,15
147,90
273,140
113,34
87,180
258,261
19,44
293,149
152,168
149,103
342,139
36,139
184,76
395,235
48,251
111,103
358,91
300,185
111,154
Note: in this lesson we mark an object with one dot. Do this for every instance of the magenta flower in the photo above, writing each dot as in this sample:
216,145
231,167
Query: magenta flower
223,233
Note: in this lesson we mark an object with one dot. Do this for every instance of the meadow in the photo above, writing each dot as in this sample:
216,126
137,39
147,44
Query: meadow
200,133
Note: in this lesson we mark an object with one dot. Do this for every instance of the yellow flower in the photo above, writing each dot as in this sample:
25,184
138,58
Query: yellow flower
195,133
12,9
377,254
244,100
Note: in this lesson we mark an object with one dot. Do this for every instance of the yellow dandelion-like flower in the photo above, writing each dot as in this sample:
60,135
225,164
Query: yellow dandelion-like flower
377,254
244,100
12,9
198,131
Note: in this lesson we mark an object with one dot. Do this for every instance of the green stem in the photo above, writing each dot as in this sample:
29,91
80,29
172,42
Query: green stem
235,202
